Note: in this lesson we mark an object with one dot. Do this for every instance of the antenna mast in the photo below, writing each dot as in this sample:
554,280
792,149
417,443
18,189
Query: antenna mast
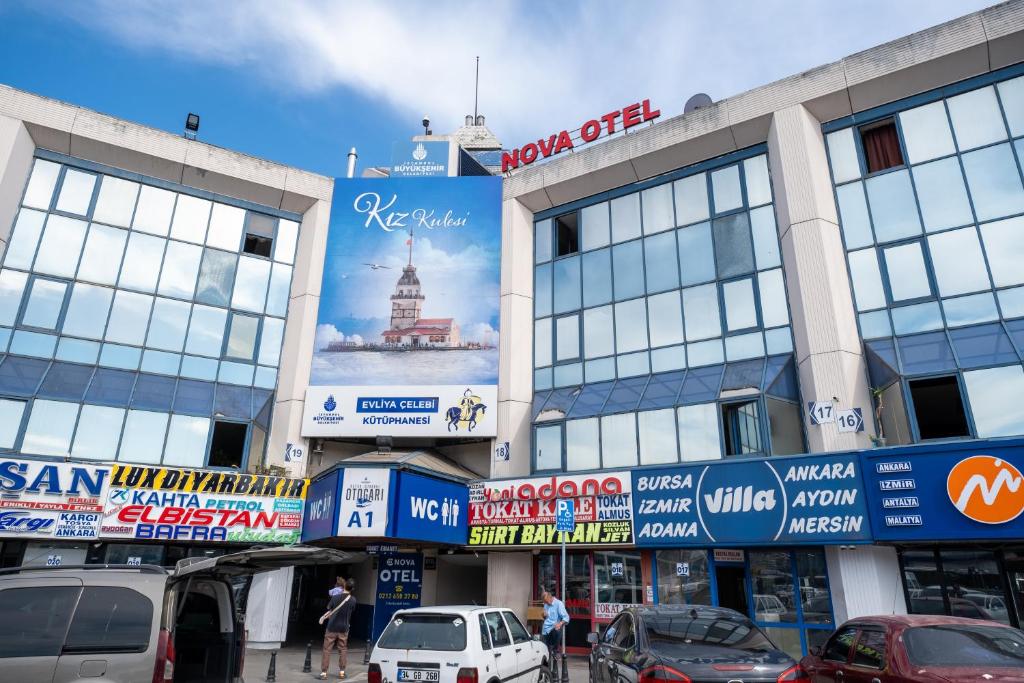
476,91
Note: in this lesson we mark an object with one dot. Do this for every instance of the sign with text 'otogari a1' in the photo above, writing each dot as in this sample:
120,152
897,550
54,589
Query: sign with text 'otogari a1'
364,501
407,329
809,499
431,509
51,500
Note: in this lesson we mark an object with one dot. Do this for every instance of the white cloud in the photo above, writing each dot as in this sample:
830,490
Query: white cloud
543,66
479,332
325,334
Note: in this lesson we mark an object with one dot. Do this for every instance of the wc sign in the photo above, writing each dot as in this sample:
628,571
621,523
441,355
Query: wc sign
321,503
431,509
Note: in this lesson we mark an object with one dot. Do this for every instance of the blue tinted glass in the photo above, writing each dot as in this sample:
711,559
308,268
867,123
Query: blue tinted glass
567,284
233,402
1016,330
20,376
111,388
77,350
660,261
160,362
780,378
565,375
668,358
696,254
779,340
982,346
625,395
542,291
195,398
66,381
701,385
599,370
33,344
539,399
941,194
662,390
881,358
591,399
198,368
633,364
968,310
853,210
117,356
597,277
919,318
994,182
744,346
743,375
542,378
561,400
153,393
235,373
926,353
265,377
628,266
875,324
893,208
734,252
261,406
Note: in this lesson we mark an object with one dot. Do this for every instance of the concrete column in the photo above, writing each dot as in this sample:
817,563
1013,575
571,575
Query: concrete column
515,373
16,149
266,613
865,580
508,581
828,349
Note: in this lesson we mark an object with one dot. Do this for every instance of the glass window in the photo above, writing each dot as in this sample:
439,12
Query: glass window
976,118
691,195
958,262
567,284
170,321
45,300
938,407
543,240
926,132
582,446
160,362
668,358
705,353
630,326
598,332
153,214
60,246
65,381
116,202
657,205
181,268
542,342
186,441
618,440
12,286
628,268
994,182
973,580
665,318
199,368
142,261
771,574
21,376
625,217
733,247
153,392
683,577
741,427
50,426
600,370
633,364
661,268
280,288
99,430
893,208
967,310
242,336
43,615
567,234
842,152
24,239
725,185
779,340
110,387
773,298
548,444
41,184
567,336
696,254
1012,302
594,231
216,275
117,356
918,318
989,392
853,210
287,238
191,216
838,647
128,318
226,223
597,277
942,195
11,413
908,277
143,437
565,375
270,341
814,596
206,331
740,310
76,192
1004,247
251,285
110,619
755,173
766,240
1012,95
101,258
700,311
657,436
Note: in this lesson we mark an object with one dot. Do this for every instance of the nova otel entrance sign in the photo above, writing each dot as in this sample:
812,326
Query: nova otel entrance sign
627,117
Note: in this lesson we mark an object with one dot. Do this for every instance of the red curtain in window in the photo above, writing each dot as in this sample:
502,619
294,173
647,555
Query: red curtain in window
882,148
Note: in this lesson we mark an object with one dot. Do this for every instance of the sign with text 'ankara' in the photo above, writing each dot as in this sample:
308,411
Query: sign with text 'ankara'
51,500
431,509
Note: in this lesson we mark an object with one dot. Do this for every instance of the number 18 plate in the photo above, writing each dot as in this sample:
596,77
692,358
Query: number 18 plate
425,675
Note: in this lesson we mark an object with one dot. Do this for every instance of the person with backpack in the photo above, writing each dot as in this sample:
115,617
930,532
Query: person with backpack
338,619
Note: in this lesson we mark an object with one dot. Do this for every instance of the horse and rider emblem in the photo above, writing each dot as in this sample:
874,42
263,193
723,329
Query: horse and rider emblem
467,414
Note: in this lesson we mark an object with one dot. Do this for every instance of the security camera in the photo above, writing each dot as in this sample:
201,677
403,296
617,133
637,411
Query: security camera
426,121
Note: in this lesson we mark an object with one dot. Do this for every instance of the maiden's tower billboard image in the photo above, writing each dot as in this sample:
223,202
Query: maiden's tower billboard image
407,331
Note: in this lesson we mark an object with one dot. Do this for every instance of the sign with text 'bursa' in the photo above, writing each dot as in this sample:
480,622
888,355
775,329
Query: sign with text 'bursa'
808,499
431,509
320,520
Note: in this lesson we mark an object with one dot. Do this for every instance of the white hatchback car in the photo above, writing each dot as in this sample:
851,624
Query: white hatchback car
461,644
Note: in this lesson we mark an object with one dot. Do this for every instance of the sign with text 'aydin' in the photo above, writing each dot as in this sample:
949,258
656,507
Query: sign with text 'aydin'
365,499
510,512
51,500
431,509
620,119
812,499
407,328
165,503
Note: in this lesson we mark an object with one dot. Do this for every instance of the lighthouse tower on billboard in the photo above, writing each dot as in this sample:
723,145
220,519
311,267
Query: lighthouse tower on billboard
408,330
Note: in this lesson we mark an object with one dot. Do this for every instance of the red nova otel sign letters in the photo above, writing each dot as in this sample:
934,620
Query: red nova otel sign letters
632,115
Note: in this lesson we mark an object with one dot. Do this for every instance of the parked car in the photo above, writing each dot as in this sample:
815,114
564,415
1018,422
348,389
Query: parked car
687,643
959,606
467,644
124,624
994,605
918,648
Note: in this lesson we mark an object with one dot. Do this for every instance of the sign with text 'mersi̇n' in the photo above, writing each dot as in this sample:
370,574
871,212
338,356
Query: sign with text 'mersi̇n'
407,329
41,499
522,512
164,503
431,509
961,491
809,499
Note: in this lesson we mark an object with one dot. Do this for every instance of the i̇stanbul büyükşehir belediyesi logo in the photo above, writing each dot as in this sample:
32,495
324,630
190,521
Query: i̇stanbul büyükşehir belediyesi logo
986,489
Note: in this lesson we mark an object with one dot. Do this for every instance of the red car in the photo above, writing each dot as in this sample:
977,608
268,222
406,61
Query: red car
918,649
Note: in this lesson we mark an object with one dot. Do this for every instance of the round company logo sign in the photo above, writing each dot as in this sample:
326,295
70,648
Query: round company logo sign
742,502
986,489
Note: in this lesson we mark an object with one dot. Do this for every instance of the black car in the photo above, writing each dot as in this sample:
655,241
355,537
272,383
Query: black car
688,644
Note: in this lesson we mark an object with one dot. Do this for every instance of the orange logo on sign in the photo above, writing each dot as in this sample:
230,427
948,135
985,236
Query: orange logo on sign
986,489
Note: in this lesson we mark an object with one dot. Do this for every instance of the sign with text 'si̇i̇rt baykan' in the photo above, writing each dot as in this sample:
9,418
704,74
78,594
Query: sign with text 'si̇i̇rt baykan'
407,330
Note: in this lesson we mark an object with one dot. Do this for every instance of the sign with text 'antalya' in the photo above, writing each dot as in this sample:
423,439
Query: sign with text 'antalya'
620,119
811,499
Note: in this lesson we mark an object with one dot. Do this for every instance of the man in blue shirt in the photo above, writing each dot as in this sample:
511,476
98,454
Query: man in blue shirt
555,617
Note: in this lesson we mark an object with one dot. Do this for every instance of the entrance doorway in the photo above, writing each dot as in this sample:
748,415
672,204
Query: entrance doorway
732,588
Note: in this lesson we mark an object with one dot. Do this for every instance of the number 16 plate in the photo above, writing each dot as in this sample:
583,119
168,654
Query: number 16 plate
426,675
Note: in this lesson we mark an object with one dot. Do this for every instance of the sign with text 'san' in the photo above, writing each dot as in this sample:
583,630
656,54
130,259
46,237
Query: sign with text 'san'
364,501
41,499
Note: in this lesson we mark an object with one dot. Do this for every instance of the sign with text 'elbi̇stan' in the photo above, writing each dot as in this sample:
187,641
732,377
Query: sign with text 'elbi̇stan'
407,329
320,519
399,586
51,500
956,491
809,499
419,159
431,509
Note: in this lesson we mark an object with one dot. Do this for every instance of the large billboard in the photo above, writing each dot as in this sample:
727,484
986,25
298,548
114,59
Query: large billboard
407,331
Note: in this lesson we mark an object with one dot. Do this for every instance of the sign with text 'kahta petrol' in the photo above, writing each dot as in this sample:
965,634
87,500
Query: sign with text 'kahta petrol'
809,499
431,509
513,512
51,500
399,586
364,501
161,503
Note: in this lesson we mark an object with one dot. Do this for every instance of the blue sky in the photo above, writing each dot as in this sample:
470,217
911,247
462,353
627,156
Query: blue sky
302,81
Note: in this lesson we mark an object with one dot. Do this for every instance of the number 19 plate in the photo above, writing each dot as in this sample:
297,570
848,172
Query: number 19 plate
425,675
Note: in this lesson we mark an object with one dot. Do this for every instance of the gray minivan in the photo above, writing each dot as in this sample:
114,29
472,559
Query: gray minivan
120,623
